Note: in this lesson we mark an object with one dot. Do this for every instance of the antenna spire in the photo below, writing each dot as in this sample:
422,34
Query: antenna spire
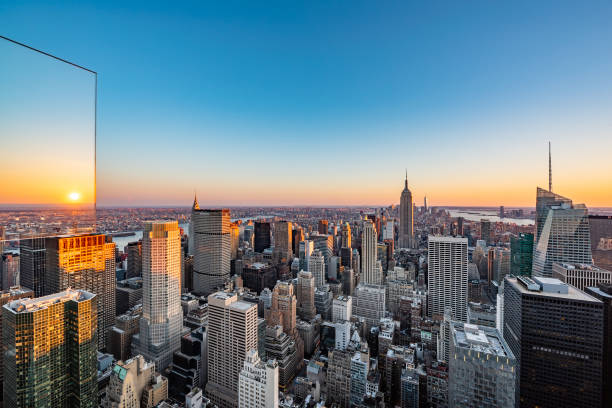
549,169
406,181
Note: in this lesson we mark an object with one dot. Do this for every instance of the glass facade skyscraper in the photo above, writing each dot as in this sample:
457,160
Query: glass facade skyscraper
521,248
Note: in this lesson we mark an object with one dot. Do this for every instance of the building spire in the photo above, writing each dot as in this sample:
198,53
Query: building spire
406,181
549,169
196,206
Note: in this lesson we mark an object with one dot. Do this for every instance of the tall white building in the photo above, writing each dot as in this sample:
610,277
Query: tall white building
232,333
162,316
447,276
342,308
581,275
342,334
406,227
212,248
316,266
369,273
258,383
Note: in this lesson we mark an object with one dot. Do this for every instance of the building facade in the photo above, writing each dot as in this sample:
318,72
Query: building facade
406,233
258,383
447,276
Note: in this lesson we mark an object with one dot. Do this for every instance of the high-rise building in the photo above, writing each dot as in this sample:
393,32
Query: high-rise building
581,275
232,333
360,368
485,232
33,265
482,369
297,236
339,377
369,273
84,262
162,315
603,292
555,331
134,259
369,303
285,350
258,275
342,309
521,248
126,326
258,383
406,232
283,309
282,240
234,240
346,239
7,296
316,266
9,266
262,236
323,227
50,351
447,276
305,296
133,381
562,233
212,248
601,240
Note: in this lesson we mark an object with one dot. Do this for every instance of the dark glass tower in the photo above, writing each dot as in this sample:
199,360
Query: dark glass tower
262,236
521,254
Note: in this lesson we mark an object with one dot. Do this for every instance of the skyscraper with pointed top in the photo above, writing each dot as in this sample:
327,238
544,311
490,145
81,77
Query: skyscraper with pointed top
406,233
212,248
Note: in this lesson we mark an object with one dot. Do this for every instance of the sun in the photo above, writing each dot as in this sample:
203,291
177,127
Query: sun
74,196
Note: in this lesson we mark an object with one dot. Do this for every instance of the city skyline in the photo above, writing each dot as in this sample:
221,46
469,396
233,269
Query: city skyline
419,85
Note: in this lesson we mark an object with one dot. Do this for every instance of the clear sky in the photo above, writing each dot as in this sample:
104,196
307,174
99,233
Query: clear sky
323,103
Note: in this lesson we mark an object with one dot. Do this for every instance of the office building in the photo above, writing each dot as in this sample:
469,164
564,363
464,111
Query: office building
282,240
262,236
84,262
188,369
234,240
482,369
9,266
581,275
486,234
50,351
369,303
555,331
521,248
128,294
232,333
306,248
342,309
33,265
600,227
316,266
285,350
126,327
447,276
360,368
323,298
603,292
338,379
305,296
410,384
258,383
297,236
258,276
369,274
212,248
162,316
562,233
406,227
282,311
134,259
323,227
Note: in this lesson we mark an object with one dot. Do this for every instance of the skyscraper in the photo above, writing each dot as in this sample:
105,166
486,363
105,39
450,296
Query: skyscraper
369,303
447,276
323,227
406,233
521,248
305,296
369,273
556,333
282,240
316,266
262,236
84,262
258,383
485,232
234,240
232,333
50,351
601,240
162,316
212,248
33,265
346,240
562,233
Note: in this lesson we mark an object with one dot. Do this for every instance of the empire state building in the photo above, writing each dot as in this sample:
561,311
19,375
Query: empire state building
406,231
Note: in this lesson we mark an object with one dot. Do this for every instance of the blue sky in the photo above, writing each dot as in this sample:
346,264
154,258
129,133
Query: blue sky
329,102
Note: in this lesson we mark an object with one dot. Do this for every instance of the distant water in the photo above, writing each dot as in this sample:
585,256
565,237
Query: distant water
121,242
493,216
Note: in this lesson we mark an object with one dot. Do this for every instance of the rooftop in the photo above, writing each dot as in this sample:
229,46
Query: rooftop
31,305
571,294
478,338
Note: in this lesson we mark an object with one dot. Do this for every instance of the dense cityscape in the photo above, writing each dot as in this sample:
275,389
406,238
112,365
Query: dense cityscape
305,204
309,307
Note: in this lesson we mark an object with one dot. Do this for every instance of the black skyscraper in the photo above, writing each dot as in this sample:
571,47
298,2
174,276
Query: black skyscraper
262,236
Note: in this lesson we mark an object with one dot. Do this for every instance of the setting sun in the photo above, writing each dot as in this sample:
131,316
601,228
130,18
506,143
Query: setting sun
74,196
